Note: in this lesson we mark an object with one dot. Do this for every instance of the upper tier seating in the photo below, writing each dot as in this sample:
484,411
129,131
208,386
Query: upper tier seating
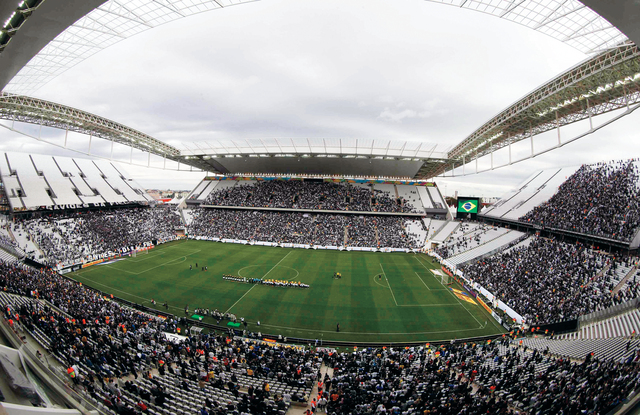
37,181
601,199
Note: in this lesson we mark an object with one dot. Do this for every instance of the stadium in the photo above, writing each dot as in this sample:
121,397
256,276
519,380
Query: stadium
319,273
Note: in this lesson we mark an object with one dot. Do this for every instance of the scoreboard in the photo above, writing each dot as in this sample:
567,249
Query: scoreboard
467,206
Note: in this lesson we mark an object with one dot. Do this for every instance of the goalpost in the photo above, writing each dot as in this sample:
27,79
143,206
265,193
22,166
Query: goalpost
135,252
445,279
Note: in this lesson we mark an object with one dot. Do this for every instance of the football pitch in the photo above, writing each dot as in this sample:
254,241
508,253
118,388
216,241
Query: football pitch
381,297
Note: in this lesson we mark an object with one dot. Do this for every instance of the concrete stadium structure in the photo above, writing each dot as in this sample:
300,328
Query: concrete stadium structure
39,41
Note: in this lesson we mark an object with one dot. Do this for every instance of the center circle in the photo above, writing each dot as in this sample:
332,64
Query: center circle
269,272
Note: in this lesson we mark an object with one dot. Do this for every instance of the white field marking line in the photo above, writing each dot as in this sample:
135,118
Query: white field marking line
283,266
149,256
184,257
439,282
365,333
422,281
374,280
454,296
385,277
255,285
121,270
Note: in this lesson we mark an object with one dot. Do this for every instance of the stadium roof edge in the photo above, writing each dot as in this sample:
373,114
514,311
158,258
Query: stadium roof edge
602,83
99,24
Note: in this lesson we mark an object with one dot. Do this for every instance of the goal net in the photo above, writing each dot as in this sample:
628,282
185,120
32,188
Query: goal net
135,253
443,277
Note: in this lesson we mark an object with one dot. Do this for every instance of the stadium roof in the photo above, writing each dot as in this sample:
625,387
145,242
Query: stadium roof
94,25
27,30
607,81
319,156
569,21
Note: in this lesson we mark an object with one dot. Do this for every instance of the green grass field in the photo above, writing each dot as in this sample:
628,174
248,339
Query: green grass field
382,297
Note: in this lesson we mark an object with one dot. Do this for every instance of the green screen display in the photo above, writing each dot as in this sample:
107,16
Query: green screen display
468,205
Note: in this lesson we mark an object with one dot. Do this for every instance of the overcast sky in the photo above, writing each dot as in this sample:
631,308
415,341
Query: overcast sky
400,70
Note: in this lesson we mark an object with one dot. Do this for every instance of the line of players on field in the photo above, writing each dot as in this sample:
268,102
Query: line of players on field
271,282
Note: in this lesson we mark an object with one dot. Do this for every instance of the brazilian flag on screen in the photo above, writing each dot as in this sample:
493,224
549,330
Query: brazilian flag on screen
468,205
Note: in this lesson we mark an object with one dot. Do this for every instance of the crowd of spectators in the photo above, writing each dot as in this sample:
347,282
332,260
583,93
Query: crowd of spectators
68,238
308,195
6,241
469,378
103,341
549,280
467,236
304,228
600,199
116,353
8,244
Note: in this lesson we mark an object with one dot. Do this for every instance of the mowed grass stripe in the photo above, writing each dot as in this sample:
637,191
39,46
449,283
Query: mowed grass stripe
361,303
362,299
407,290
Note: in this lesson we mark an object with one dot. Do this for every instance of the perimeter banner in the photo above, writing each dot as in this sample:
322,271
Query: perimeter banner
377,181
330,180
463,296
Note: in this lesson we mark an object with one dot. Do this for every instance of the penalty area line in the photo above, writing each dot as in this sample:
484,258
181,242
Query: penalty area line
453,295
422,281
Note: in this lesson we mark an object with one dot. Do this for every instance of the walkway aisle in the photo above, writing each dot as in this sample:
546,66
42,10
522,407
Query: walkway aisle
299,410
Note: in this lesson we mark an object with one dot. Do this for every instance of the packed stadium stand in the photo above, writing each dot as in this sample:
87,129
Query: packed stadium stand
62,239
598,200
544,280
562,247
319,194
550,280
120,365
535,190
296,194
302,228
486,244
